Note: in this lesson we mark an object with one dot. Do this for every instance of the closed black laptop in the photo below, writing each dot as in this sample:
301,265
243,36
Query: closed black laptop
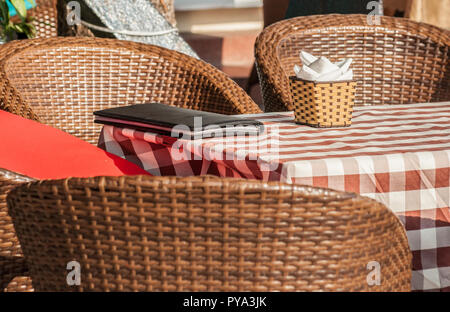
177,122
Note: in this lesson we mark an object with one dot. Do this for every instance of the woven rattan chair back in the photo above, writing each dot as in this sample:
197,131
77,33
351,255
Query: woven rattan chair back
13,269
396,62
206,234
45,18
62,81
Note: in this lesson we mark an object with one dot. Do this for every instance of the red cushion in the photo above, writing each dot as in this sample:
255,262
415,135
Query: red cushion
42,152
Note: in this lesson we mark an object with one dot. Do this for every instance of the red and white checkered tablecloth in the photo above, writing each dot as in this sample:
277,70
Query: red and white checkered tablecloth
398,155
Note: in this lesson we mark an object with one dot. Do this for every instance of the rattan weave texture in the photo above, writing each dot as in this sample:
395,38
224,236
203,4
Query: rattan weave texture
322,105
45,18
45,21
62,81
13,270
397,62
206,234
12,264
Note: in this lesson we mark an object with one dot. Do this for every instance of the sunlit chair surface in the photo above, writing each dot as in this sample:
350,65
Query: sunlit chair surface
62,81
45,18
397,61
206,234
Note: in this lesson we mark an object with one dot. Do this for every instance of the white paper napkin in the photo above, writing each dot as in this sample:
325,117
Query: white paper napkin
320,69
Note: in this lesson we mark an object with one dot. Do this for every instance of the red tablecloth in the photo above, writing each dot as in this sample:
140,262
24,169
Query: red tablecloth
43,152
398,155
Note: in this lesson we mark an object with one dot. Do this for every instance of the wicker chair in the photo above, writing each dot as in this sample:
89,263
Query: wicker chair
13,270
396,62
45,16
61,81
205,234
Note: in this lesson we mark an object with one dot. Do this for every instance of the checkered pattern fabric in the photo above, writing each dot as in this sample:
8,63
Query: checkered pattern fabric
398,155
